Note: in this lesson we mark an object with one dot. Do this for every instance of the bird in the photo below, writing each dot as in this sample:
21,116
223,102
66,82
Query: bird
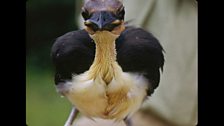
107,69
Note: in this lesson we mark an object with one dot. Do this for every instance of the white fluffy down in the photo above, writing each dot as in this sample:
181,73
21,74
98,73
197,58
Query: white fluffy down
89,96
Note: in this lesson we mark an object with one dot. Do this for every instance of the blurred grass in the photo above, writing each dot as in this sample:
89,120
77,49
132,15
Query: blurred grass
44,106
45,21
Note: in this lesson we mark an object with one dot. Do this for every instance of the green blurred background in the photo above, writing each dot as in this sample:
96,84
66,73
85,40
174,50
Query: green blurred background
45,21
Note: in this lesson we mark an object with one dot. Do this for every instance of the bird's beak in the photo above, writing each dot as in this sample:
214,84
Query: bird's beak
101,20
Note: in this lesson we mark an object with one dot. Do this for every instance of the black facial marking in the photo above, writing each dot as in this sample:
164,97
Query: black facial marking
120,13
85,14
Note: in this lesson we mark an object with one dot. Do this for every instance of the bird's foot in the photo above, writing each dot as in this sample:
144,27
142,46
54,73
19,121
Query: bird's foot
72,117
128,121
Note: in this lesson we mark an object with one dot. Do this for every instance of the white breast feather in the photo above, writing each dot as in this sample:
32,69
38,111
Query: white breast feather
93,98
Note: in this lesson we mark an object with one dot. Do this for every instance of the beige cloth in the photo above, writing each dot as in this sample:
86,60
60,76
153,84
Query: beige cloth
174,23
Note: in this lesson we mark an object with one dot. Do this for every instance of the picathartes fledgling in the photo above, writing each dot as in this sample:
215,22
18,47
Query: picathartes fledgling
106,70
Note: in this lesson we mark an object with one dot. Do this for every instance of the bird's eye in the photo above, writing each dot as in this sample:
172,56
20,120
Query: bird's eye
91,25
87,23
116,22
113,25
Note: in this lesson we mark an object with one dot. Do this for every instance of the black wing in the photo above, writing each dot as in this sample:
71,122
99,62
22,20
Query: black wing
72,53
139,51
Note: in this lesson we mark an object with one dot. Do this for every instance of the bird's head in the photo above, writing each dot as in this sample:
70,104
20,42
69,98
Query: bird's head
103,16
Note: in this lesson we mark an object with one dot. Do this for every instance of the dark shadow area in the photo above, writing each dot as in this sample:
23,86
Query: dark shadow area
45,21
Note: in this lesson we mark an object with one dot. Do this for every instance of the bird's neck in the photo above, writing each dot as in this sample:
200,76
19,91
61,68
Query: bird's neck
104,65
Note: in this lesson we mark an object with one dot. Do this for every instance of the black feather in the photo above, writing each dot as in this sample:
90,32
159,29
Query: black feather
72,53
137,51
